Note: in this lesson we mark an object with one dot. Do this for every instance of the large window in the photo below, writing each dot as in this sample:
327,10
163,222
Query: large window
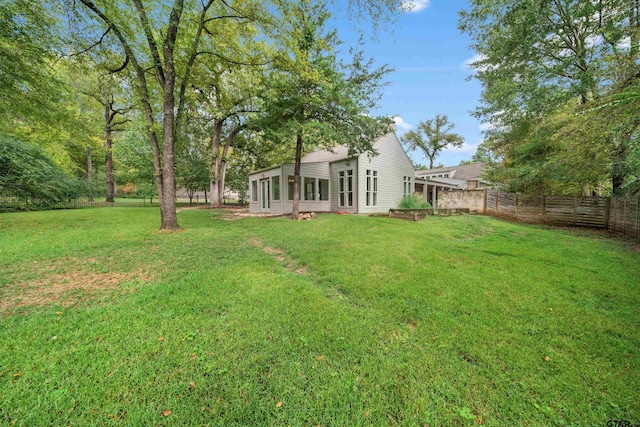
345,188
372,188
309,188
254,191
275,187
323,189
407,186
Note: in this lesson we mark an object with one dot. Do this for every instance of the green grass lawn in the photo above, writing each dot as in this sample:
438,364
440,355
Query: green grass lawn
343,320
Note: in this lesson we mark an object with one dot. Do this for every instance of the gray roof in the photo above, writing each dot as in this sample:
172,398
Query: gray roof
333,154
339,152
462,172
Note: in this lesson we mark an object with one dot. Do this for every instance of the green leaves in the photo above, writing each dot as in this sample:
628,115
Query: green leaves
26,171
432,136
555,78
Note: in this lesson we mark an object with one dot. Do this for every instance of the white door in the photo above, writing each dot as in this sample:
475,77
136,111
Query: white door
265,195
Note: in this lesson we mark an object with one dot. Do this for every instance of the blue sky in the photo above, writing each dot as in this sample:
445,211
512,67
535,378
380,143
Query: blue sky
428,53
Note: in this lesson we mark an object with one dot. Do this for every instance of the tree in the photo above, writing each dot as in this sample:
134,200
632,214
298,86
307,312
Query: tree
28,87
433,136
192,171
27,171
238,178
164,39
314,99
106,90
549,70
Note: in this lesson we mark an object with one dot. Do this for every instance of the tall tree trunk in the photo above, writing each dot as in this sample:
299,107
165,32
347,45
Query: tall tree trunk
222,166
108,161
214,172
223,173
90,174
167,199
296,177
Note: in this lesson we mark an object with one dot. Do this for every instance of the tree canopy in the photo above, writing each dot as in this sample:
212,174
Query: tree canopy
552,74
433,136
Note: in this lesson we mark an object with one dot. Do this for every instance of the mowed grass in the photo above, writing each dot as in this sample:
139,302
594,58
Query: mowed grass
343,320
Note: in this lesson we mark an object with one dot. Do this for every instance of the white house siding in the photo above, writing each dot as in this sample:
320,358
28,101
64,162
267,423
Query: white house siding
392,165
336,168
307,170
275,205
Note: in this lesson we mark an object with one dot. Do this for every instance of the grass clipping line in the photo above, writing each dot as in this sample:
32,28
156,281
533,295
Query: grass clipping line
65,289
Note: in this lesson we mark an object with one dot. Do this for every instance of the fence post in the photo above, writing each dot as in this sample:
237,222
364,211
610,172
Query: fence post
497,194
484,203
575,210
544,209
517,217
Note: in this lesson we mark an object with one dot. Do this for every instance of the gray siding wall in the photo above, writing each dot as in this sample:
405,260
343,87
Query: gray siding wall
307,170
276,205
392,164
336,168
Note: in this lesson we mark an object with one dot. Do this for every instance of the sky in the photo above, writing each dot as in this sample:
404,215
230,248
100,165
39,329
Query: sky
429,56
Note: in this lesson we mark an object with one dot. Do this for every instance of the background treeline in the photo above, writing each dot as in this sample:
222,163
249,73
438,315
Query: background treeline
561,94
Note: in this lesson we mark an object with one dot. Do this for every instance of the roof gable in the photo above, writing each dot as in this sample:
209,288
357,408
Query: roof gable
339,152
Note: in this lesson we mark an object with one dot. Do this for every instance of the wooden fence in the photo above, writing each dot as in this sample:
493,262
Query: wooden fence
624,216
619,214
553,210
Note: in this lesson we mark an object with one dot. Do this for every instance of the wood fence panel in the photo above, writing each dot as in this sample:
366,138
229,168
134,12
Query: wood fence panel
624,216
491,202
591,212
618,214
634,216
507,203
560,210
531,208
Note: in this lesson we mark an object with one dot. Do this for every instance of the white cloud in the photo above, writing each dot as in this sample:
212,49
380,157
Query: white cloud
485,127
466,148
413,6
475,58
625,43
401,124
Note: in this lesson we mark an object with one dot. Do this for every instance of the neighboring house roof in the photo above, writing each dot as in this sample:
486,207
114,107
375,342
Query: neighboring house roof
448,181
461,172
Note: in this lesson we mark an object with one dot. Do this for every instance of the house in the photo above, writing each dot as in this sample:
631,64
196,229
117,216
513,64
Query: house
333,181
462,177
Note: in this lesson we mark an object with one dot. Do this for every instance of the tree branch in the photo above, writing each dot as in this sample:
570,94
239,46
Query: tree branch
153,47
231,61
120,68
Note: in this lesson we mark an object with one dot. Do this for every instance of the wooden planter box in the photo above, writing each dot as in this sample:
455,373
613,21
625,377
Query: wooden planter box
420,214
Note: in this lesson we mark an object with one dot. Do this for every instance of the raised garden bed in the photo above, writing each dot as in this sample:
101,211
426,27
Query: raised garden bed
419,214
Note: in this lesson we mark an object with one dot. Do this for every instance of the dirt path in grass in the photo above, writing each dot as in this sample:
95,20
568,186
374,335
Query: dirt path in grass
280,256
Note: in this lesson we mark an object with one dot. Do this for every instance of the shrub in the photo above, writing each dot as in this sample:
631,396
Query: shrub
27,171
413,201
